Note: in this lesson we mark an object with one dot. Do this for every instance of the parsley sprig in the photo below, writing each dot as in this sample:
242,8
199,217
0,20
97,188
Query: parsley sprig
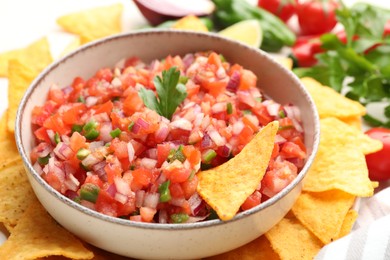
170,93
362,62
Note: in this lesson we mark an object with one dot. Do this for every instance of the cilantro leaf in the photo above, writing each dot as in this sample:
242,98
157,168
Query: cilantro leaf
170,93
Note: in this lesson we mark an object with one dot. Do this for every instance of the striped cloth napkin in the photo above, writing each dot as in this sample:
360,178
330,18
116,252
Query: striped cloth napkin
370,236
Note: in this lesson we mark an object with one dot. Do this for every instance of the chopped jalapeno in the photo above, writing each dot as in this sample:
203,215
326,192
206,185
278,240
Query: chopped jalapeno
179,217
81,99
209,156
282,114
229,108
89,126
163,189
92,134
89,192
77,128
183,80
247,112
44,160
115,133
82,153
285,127
57,138
130,127
176,154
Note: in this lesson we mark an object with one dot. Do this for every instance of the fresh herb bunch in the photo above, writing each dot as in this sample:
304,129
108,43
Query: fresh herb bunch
170,93
359,67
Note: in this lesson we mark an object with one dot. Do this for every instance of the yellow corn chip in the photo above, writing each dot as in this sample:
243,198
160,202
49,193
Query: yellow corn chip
349,220
339,166
292,241
355,121
74,44
323,213
36,56
8,152
20,77
227,186
4,134
15,193
259,248
334,131
190,22
286,62
330,103
38,235
94,23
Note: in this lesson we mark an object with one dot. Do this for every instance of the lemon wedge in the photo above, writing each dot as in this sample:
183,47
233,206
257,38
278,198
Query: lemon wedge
247,31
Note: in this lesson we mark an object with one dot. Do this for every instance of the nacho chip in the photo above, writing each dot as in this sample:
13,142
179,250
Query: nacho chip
259,248
330,103
286,62
93,24
20,77
339,166
291,240
8,152
227,186
36,56
190,22
349,220
4,134
323,213
355,121
15,193
73,45
334,131
38,235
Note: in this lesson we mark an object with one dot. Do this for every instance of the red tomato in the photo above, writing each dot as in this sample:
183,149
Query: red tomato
378,163
283,9
317,17
252,201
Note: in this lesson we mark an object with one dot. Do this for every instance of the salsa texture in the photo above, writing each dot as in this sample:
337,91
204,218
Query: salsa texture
129,141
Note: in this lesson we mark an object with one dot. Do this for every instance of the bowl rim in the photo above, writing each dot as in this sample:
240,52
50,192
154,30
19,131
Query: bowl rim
161,226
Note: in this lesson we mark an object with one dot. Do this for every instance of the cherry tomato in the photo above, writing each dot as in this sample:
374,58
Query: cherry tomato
283,9
317,17
378,163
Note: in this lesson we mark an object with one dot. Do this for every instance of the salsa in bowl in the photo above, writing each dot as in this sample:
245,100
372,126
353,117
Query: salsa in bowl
114,146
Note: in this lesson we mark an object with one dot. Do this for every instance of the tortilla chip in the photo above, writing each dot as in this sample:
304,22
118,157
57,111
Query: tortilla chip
8,152
4,134
36,56
340,162
334,131
38,235
190,22
227,186
323,213
15,193
20,78
286,62
355,121
93,24
330,103
259,248
291,240
349,220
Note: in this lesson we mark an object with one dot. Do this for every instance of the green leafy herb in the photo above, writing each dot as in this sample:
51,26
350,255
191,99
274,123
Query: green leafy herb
361,62
170,93
176,154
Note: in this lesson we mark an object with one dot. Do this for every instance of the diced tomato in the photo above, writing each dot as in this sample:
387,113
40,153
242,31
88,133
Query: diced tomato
162,153
215,87
104,108
275,151
147,214
56,124
192,154
248,80
71,116
292,150
104,74
176,190
189,187
214,59
57,95
262,114
246,135
77,141
252,201
119,148
177,175
41,134
113,169
94,179
54,180
106,204
132,103
141,177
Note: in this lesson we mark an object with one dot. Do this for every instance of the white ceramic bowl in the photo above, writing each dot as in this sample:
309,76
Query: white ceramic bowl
165,241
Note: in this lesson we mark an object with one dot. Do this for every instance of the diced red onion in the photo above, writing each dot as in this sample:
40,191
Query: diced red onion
162,132
233,82
297,125
196,219
71,183
116,82
140,121
237,127
273,109
87,204
151,200
253,119
120,198
293,112
188,59
216,137
65,139
66,90
148,163
102,117
91,101
195,200
43,149
181,124
162,216
198,119
151,153
105,130
71,194
279,139
221,73
63,151
37,167
93,146
189,105
245,98
51,134
90,160
122,186
225,150
255,92
139,198
111,190
130,151
218,107
206,141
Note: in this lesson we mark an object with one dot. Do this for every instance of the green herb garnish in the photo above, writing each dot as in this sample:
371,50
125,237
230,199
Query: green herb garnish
170,93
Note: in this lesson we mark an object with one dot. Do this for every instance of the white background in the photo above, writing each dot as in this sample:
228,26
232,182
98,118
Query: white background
24,21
